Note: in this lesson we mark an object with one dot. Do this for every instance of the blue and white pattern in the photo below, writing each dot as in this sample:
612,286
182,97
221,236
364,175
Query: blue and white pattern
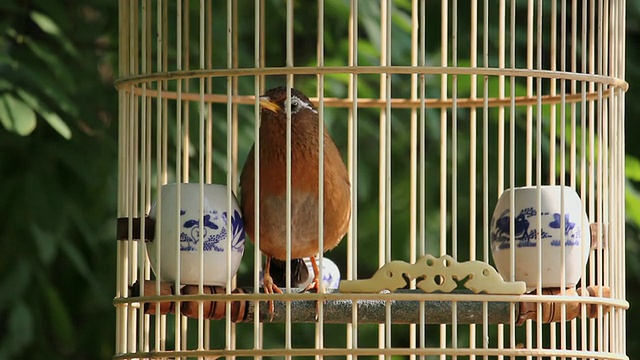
526,229
214,231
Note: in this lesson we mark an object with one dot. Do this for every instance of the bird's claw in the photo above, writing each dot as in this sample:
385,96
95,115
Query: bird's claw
270,287
316,285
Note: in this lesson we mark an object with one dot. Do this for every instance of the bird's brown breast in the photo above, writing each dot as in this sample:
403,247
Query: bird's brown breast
304,192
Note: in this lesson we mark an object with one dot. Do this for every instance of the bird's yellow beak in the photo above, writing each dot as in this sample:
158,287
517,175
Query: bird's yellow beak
266,103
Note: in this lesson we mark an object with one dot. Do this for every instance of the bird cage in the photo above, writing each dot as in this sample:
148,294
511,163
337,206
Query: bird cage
483,146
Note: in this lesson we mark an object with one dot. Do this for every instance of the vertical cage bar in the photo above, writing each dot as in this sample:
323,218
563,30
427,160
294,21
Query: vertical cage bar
529,132
185,64
454,162
232,179
121,250
201,172
288,223
512,155
413,159
538,181
209,45
423,156
485,164
454,132
258,49
473,143
553,54
319,330
583,159
352,150
160,334
133,163
230,23
387,16
563,172
145,168
529,108
599,118
444,33
501,91
382,169
180,329
591,157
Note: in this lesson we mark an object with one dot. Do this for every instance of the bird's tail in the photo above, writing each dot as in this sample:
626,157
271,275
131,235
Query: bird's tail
299,272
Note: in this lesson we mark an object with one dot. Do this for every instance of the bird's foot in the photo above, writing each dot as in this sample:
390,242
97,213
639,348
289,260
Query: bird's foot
315,285
270,287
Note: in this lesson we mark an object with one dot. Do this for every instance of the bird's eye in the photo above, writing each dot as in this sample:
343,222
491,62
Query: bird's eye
294,105
298,104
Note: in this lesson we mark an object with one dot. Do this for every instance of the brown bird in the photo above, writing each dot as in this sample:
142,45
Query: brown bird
305,127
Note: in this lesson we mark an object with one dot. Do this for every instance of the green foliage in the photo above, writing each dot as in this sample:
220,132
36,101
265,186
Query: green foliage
16,116
57,107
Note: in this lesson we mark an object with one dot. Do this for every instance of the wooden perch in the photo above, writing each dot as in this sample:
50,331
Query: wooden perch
369,311
552,312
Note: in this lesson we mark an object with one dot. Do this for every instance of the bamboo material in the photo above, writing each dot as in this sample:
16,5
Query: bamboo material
551,312
370,311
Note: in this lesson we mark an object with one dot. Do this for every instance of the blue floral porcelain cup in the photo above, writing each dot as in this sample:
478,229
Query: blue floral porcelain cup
194,226
540,234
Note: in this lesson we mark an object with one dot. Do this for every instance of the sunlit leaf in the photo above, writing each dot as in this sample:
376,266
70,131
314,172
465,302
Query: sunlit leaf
49,26
16,116
57,124
632,203
401,20
45,23
632,167
50,117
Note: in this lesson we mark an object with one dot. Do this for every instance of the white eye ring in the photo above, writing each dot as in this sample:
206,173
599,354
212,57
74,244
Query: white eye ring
294,105
297,105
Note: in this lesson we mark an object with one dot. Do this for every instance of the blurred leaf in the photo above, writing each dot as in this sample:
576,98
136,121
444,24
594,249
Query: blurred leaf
46,244
46,24
5,85
632,168
50,27
77,260
14,282
50,117
53,91
16,116
632,204
20,325
59,318
53,61
57,123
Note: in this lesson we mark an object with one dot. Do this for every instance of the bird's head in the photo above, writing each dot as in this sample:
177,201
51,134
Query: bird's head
274,104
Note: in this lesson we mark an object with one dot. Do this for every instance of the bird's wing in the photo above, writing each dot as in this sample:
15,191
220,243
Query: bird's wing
246,176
